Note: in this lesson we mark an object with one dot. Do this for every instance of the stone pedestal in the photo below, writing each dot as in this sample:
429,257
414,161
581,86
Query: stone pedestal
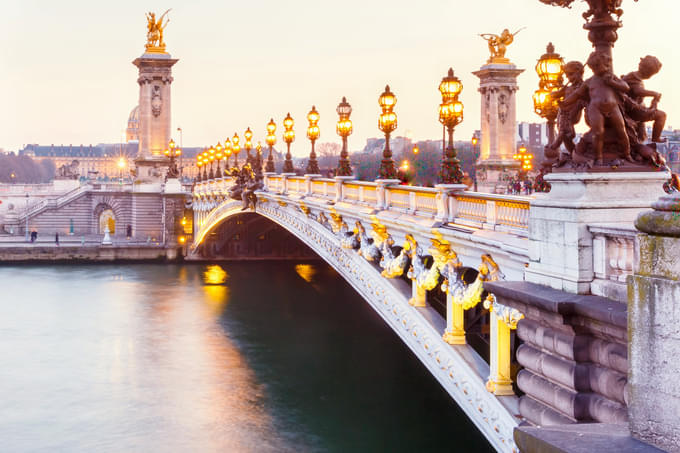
653,328
172,185
151,169
498,84
560,243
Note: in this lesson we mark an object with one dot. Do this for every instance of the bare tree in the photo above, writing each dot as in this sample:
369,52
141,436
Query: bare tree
328,153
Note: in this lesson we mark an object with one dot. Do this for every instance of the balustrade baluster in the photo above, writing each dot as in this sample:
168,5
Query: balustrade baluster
502,320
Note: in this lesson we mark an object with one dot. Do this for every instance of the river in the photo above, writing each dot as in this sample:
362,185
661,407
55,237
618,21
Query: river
240,357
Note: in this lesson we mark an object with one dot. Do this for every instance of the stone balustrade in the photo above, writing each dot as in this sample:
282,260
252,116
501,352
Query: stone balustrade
504,213
614,251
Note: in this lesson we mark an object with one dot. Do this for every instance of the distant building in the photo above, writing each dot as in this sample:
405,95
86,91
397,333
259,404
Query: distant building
532,135
103,160
132,131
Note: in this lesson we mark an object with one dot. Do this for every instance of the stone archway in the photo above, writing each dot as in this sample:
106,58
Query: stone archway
107,218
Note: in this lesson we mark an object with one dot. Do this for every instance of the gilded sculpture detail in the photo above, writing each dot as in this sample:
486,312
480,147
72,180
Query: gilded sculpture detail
498,45
614,107
154,34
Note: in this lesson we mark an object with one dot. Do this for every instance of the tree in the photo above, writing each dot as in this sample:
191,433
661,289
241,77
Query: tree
328,155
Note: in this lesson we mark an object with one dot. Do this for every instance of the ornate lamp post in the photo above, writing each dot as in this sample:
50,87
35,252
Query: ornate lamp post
450,115
227,153
524,159
248,134
313,133
199,164
475,154
211,158
387,123
344,130
550,71
288,137
172,152
271,141
204,158
235,148
258,157
218,157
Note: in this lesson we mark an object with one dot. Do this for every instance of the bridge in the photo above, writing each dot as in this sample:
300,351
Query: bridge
370,232
450,271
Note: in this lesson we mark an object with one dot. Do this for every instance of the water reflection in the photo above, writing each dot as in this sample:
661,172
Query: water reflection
215,275
306,271
238,358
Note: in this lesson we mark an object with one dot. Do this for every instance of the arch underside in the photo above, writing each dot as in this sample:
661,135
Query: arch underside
459,369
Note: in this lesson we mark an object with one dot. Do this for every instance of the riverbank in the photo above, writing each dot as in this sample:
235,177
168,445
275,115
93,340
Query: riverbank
29,253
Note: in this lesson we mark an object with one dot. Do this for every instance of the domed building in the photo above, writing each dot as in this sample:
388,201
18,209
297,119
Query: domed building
132,131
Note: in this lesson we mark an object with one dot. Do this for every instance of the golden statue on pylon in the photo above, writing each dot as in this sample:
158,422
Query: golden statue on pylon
154,35
498,44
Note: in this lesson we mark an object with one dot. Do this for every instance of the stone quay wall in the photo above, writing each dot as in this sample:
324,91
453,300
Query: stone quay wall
143,211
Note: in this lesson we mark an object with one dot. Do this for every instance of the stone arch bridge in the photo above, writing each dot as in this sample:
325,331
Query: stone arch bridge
427,261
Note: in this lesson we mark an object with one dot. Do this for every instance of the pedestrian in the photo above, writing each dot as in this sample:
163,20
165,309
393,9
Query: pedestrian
56,238
128,231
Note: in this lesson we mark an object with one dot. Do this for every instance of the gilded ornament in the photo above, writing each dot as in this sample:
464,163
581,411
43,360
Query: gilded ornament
154,35
498,45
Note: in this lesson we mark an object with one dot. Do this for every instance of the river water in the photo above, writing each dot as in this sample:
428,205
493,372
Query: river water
254,357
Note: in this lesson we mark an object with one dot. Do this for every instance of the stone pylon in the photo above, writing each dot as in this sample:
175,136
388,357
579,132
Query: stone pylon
498,84
155,79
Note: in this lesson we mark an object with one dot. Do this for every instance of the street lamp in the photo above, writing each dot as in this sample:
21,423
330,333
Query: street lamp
27,196
227,153
248,146
235,148
218,157
450,115
524,159
211,158
181,145
288,137
172,151
344,130
387,122
475,155
205,160
550,71
199,164
313,133
121,166
271,141
258,158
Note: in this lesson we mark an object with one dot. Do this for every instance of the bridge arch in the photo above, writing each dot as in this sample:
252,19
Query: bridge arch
459,369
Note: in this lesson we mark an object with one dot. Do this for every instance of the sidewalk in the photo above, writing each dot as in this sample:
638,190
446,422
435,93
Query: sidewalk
88,240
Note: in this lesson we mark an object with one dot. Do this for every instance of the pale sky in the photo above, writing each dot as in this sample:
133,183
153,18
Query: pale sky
66,75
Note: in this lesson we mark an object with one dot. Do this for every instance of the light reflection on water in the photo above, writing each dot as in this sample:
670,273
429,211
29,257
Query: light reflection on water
108,362
255,357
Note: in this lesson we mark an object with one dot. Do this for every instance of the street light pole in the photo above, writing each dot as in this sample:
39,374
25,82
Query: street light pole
181,146
387,123
26,217
344,129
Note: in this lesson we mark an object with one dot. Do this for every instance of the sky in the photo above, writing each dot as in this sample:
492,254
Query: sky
66,73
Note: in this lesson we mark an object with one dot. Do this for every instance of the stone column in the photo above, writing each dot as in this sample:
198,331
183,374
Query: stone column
654,328
155,78
498,84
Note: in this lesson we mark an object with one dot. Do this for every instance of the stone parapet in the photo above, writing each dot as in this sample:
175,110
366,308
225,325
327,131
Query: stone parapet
573,354
561,245
653,295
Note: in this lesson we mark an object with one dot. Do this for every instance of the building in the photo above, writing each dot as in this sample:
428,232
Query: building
532,135
104,160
